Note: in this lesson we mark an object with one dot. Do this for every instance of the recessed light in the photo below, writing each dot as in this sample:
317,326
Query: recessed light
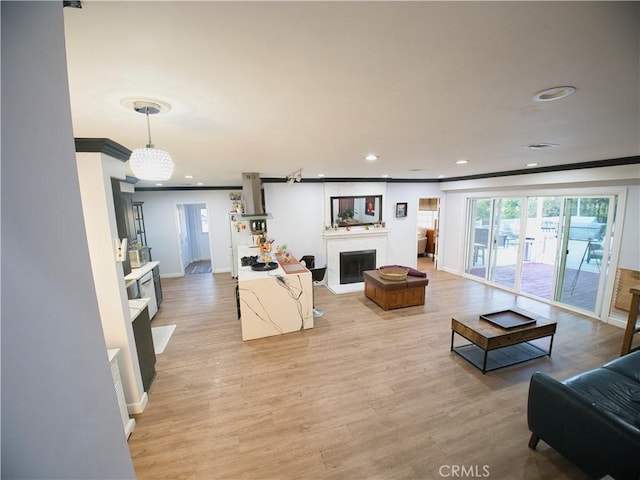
371,157
188,176
532,164
540,146
440,176
462,162
321,174
554,93
385,175
159,184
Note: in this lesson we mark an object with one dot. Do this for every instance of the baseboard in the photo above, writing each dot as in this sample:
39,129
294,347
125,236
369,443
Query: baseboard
346,288
138,407
129,426
450,270
617,321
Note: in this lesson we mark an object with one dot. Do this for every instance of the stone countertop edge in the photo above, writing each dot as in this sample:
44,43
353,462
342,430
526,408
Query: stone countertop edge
136,306
138,273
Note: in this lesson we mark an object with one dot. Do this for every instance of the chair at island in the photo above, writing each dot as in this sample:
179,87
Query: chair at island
317,275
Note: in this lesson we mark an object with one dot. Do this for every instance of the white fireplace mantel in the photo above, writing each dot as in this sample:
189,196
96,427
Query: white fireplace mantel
343,240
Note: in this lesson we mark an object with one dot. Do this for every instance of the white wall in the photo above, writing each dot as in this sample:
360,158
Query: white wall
60,416
94,175
403,246
161,225
299,211
298,218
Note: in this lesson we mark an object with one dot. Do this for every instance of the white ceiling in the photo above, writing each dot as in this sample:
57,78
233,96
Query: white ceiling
272,87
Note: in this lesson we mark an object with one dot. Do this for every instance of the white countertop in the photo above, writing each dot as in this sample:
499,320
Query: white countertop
138,273
245,273
136,306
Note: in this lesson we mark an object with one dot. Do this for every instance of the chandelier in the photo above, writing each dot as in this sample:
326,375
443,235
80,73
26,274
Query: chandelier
150,163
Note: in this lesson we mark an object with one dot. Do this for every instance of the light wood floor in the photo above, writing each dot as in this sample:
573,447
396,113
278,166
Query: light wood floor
366,394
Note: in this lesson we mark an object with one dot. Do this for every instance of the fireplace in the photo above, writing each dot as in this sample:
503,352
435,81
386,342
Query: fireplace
352,264
348,241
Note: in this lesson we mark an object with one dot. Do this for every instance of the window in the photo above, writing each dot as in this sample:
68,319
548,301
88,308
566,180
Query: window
204,220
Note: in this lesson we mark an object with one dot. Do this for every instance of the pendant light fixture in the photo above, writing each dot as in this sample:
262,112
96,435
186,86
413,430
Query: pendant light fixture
150,163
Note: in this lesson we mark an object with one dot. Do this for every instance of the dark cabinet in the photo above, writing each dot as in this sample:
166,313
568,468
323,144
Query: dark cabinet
123,203
144,348
157,285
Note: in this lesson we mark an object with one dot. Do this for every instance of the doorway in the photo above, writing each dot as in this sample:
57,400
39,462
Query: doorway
193,231
428,221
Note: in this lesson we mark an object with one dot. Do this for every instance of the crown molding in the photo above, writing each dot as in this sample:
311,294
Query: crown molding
103,145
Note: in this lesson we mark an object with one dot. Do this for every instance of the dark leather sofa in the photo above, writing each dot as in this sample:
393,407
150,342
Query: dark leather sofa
592,419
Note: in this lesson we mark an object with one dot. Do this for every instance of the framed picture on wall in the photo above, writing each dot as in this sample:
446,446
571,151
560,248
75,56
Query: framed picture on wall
401,209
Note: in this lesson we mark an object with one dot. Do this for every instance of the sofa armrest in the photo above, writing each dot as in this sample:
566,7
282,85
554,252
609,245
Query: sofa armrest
594,439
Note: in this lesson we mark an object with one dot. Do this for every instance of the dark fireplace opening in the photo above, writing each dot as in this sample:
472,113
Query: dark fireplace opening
352,264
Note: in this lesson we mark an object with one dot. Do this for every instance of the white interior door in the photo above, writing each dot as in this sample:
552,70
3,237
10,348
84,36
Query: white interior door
183,234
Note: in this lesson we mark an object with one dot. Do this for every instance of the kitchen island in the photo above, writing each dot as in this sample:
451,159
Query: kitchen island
274,302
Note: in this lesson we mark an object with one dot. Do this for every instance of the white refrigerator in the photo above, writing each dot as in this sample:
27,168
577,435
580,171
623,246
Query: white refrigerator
240,235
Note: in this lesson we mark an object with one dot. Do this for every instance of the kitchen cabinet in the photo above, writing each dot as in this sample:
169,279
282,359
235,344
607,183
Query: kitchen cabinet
144,347
157,284
136,275
147,290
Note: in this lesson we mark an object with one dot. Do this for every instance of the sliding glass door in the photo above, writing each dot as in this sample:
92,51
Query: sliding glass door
505,241
586,242
555,248
494,240
540,247
477,254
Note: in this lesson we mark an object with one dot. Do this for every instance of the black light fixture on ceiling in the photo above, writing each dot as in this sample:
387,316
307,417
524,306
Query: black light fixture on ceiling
150,163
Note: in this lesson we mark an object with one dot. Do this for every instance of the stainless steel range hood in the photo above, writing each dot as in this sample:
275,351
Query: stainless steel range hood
252,194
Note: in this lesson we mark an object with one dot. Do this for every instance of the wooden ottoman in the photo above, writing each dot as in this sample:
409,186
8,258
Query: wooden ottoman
390,294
